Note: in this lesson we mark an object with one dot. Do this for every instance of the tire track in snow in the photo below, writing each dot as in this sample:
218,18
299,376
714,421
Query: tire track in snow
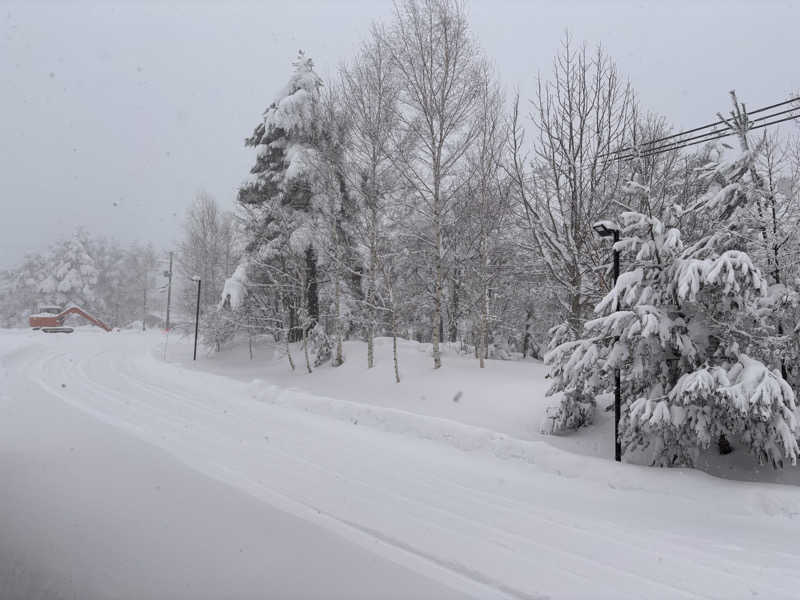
111,363
686,563
543,549
187,399
288,503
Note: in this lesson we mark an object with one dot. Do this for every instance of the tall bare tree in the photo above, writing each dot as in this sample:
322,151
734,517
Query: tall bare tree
438,64
487,198
207,249
370,95
582,113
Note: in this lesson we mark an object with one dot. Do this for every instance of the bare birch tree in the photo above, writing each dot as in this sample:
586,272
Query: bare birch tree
487,197
207,249
582,113
438,65
370,91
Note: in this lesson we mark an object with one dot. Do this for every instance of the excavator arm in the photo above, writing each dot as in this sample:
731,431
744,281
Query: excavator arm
74,310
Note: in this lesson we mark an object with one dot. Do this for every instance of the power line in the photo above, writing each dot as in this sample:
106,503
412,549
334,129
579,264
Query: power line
726,131
716,131
681,144
648,145
714,124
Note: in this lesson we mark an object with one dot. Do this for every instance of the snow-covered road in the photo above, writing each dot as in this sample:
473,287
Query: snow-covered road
88,512
434,506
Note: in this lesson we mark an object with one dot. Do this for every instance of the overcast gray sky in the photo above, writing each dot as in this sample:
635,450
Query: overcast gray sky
112,115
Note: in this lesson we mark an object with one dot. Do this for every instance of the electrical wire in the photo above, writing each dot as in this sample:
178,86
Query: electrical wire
682,144
726,130
651,143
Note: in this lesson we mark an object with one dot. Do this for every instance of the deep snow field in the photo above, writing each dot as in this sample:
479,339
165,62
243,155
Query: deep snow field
129,472
507,397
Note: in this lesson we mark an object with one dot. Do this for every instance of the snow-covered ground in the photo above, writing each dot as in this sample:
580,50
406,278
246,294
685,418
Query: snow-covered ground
447,493
507,397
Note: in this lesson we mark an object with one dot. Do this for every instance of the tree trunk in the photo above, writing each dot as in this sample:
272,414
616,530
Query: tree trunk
373,265
312,288
437,300
338,358
454,308
289,351
485,303
526,339
394,339
305,349
575,318
295,333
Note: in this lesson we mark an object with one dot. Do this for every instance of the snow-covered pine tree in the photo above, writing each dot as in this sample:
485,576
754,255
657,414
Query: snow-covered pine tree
689,334
277,198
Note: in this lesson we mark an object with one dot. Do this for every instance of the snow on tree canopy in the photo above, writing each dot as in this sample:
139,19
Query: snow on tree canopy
292,107
686,329
74,275
235,288
284,137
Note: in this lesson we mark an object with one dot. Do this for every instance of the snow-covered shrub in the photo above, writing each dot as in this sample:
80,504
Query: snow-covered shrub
321,346
684,325
500,351
573,366
217,328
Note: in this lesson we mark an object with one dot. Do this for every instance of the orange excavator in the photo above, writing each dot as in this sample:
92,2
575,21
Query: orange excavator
50,319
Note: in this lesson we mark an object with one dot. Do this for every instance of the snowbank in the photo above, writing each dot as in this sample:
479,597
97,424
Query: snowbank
748,498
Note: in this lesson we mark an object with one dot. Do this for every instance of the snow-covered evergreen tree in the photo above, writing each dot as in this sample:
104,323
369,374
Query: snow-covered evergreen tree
688,331
276,201
72,275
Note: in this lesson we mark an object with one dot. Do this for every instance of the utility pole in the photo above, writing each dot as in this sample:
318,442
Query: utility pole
168,275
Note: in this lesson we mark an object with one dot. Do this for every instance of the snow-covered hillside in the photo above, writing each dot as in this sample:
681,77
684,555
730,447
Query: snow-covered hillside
483,508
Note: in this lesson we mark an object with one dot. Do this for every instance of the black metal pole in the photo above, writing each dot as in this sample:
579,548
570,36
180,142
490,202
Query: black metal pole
617,390
196,319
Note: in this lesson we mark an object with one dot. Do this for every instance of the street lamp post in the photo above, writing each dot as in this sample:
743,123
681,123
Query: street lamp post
196,315
611,229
